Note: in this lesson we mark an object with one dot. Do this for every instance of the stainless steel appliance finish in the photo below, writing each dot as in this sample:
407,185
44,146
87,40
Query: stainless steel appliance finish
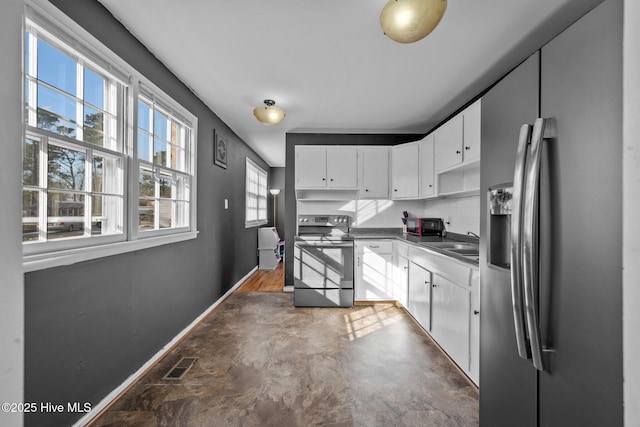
551,274
323,262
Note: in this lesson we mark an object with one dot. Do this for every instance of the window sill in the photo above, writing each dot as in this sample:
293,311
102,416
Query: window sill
72,256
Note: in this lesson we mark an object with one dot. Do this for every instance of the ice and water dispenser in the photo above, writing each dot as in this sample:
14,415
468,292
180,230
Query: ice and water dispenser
499,242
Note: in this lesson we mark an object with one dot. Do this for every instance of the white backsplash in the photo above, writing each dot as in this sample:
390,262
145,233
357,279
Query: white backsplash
462,213
365,213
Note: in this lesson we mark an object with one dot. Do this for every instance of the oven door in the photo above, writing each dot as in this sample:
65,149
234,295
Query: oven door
323,273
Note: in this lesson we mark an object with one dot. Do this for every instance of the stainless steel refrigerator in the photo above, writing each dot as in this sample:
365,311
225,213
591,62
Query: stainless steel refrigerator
558,227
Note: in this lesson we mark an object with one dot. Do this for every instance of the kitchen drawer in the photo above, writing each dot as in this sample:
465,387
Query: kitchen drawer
401,249
377,246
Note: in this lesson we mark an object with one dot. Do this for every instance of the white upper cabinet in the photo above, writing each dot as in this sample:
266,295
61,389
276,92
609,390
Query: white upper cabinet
342,167
448,144
326,167
427,176
405,171
458,140
311,167
472,133
374,172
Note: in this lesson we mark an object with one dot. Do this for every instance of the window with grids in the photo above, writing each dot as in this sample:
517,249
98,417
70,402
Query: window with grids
256,195
107,156
164,178
73,157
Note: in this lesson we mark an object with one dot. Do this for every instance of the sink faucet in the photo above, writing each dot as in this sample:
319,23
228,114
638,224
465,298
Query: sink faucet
471,233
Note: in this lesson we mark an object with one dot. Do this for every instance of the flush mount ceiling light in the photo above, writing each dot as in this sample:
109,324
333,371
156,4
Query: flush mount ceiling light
268,114
407,21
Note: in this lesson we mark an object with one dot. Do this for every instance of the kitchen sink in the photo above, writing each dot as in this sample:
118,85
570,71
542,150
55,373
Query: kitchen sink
466,251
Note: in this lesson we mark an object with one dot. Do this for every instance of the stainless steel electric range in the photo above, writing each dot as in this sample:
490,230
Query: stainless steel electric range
323,262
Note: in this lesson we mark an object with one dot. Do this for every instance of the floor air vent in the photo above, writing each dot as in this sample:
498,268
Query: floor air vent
180,369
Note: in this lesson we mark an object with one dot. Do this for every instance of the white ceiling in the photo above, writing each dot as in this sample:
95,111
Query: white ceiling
328,64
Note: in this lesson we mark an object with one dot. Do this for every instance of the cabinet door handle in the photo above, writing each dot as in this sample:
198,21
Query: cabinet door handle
331,180
467,148
324,179
395,189
458,151
476,312
366,189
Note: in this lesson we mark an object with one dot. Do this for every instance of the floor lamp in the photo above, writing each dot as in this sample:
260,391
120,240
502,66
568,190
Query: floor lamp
275,192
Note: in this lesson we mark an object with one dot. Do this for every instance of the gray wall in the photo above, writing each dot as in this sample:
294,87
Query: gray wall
294,139
91,325
11,132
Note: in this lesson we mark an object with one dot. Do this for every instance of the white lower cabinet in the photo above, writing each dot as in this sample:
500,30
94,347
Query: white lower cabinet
450,319
449,310
420,295
373,270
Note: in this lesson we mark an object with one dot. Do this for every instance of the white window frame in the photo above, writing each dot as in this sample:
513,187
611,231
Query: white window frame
42,255
258,198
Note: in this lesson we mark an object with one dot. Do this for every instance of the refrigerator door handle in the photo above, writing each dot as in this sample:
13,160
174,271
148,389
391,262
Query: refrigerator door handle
516,243
530,242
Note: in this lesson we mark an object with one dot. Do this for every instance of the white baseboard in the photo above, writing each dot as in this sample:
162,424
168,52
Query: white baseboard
104,403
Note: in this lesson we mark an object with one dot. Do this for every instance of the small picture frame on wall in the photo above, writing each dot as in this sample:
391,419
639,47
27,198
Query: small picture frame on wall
220,148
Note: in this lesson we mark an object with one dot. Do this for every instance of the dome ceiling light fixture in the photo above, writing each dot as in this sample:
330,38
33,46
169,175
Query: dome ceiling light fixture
407,21
268,114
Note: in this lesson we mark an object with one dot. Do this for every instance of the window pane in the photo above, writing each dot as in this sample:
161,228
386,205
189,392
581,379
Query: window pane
144,116
112,179
56,68
182,187
27,54
146,214
178,136
66,168
30,213
106,215
165,186
94,88
160,125
147,183
178,158
111,133
56,112
144,146
65,215
93,126
159,152
182,214
98,174
166,213
27,106
30,162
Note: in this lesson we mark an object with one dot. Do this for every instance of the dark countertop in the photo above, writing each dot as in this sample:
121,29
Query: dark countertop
422,241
